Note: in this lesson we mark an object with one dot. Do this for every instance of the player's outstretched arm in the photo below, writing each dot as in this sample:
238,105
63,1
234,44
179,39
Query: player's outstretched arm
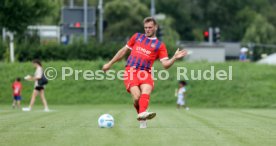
119,55
178,54
31,78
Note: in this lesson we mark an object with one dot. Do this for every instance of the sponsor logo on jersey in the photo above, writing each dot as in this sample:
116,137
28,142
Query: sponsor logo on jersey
145,51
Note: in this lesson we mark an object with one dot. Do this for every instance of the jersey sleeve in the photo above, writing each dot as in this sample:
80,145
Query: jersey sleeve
163,54
131,41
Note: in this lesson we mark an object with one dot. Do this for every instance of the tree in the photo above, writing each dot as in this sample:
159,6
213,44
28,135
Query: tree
17,15
124,17
54,17
182,12
269,13
192,17
169,35
231,16
260,31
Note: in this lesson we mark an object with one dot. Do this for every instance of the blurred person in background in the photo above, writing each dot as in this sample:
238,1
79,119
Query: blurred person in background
17,88
180,94
243,54
39,87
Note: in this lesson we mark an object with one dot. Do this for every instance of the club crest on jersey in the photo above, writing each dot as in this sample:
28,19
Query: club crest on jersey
153,45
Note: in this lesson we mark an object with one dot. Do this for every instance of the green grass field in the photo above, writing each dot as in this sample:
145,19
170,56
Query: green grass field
77,125
237,112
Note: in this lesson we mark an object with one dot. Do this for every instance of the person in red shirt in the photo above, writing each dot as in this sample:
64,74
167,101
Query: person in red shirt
16,87
145,49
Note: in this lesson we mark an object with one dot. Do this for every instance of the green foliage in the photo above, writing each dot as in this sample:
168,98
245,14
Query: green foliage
75,51
231,16
188,19
2,49
268,13
55,15
17,15
243,19
252,85
260,31
170,36
258,51
124,18
182,12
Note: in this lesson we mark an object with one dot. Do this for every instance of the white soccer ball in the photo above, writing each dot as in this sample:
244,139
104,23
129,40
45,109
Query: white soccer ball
106,121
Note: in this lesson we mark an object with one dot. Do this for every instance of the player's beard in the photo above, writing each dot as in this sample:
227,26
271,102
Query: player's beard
152,35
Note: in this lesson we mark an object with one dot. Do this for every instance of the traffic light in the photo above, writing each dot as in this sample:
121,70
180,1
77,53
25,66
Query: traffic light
212,35
77,25
216,35
206,36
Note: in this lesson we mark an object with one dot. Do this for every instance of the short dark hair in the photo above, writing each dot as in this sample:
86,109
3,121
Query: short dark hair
150,19
184,83
37,62
18,79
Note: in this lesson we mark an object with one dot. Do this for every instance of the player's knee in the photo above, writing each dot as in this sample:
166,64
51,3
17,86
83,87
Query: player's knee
136,96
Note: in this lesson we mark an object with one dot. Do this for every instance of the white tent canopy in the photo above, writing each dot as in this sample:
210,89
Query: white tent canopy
271,59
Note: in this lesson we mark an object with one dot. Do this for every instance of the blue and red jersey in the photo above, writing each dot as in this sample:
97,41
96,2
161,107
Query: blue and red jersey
144,51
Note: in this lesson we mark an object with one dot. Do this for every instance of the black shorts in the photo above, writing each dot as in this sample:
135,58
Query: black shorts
39,88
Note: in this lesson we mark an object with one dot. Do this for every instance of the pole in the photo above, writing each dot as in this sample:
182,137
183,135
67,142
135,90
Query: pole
210,35
152,10
100,7
85,21
71,3
10,34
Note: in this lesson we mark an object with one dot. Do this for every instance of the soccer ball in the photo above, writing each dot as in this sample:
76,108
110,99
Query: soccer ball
106,121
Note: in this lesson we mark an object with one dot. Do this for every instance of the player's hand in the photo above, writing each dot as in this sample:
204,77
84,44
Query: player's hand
106,67
180,53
